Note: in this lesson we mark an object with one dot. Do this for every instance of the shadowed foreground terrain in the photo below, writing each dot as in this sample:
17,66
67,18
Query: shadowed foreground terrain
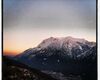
14,70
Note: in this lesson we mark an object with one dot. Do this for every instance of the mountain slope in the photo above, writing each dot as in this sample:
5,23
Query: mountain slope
66,55
60,54
67,46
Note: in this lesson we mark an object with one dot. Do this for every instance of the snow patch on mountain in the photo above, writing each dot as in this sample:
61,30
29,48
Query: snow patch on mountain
64,42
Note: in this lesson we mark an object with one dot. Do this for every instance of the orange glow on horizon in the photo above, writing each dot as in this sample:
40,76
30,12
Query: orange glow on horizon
10,53
11,48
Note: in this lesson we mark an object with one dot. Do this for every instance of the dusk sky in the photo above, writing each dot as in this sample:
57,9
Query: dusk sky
27,22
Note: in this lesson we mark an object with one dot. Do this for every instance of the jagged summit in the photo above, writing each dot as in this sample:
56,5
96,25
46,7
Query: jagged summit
61,42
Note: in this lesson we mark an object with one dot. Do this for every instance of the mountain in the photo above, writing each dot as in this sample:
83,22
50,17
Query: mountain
60,54
65,55
65,46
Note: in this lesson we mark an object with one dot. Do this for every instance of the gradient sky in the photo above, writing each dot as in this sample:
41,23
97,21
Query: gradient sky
27,22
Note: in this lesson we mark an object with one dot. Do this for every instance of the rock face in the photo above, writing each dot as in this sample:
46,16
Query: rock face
60,54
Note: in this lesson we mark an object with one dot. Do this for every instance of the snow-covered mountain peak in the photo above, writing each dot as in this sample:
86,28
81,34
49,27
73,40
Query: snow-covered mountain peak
61,42
64,47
